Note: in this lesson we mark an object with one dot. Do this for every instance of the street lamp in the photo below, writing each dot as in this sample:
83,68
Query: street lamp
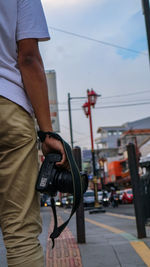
92,97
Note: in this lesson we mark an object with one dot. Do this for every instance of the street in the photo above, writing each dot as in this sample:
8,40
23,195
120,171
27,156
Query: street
125,209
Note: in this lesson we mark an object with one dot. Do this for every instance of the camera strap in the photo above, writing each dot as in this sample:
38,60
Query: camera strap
77,186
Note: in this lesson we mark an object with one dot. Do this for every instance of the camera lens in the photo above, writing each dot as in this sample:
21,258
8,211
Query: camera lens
62,181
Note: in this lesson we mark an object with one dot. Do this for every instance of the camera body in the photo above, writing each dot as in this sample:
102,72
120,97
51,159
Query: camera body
52,178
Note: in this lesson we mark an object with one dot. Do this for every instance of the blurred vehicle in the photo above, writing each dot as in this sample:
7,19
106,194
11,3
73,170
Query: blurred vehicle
88,198
103,198
127,196
115,200
100,196
120,194
63,201
58,203
69,201
47,202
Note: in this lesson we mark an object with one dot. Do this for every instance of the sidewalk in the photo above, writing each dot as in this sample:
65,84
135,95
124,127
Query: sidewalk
110,242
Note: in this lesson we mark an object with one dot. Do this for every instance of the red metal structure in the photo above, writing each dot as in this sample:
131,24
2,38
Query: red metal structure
92,97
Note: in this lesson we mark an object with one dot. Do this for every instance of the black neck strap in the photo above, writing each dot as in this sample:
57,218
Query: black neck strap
77,185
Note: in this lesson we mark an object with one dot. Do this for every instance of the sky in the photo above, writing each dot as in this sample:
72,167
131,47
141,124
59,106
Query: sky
120,76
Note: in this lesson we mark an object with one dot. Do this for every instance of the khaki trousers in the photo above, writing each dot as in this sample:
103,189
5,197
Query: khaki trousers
19,202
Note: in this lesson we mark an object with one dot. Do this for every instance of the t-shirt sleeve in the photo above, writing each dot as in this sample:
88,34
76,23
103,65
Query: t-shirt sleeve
31,22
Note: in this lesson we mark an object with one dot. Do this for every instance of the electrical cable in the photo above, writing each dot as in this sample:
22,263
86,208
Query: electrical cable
98,41
113,106
113,96
106,97
128,94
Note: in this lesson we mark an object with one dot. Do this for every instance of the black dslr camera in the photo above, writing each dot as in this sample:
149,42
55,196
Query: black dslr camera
52,178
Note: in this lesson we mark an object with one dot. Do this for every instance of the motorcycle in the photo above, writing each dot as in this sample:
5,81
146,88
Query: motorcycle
115,200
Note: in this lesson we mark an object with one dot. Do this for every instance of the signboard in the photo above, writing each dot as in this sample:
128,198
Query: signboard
52,95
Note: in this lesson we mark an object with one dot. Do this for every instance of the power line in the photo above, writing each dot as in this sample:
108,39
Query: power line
124,101
120,95
124,105
114,103
113,106
106,97
97,41
128,94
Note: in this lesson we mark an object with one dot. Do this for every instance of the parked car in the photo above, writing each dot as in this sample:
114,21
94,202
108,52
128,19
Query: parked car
88,198
127,196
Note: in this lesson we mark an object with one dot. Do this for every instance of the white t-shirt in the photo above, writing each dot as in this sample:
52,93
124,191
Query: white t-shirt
19,19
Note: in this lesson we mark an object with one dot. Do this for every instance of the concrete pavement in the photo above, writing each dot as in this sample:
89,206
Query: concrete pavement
111,241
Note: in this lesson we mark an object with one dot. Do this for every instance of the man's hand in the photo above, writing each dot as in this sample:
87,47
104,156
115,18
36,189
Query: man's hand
51,145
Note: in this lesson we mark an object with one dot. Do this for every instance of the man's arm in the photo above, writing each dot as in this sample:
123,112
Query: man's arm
34,79
33,75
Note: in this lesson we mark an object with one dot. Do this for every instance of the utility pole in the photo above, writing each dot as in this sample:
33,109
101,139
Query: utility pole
138,201
70,119
146,12
80,221
92,97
